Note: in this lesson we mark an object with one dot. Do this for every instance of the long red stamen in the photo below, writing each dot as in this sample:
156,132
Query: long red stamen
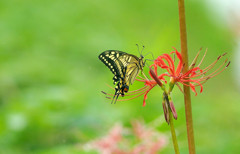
180,88
110,86
215,73
140,80
145,96
138,89
201,82
208,68
132,97
202,58
199,74
195,59
134,93
213,64
140,77
131,92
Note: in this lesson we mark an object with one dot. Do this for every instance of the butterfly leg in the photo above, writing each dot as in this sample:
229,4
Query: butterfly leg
116,98
116,94
117,89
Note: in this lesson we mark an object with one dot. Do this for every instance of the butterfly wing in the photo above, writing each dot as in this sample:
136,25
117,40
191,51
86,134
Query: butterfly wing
125,68
111,59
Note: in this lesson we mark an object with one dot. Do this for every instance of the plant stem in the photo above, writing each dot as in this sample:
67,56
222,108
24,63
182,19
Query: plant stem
174,138
187,98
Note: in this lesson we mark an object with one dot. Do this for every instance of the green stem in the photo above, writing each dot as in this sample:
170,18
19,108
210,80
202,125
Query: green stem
174,138
187,98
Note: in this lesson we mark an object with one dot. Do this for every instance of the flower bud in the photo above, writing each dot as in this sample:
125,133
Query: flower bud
166,112
173,110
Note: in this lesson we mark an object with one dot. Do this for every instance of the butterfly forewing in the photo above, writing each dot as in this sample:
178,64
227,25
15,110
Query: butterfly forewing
110,59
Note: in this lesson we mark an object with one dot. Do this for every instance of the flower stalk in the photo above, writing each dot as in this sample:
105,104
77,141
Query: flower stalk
174,137
186,89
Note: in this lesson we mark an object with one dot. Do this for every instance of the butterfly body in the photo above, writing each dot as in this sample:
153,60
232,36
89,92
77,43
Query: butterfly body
125,68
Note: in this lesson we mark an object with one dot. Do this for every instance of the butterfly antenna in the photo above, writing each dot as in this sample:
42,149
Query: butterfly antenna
138,49
142,49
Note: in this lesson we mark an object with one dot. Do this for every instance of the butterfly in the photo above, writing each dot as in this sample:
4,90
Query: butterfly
125,68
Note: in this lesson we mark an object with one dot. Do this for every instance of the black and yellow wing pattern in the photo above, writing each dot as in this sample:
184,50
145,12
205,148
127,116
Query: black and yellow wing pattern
125,68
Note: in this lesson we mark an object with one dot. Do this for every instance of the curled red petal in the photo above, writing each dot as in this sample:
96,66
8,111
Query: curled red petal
159,61
179,56
192,70
164,66
170,59
149,83
193,88
198,84
179,68
161,77
145,96
170,63
152,65
144,100
180,63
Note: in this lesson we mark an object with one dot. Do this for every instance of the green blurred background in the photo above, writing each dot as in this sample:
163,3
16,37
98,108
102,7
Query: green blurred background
51,78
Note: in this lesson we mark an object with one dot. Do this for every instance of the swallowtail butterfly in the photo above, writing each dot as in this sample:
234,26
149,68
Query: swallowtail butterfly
125,68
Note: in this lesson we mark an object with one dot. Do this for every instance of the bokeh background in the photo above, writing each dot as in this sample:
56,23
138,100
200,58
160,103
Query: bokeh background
51,78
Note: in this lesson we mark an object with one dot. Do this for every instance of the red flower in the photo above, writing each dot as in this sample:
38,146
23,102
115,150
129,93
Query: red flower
195,76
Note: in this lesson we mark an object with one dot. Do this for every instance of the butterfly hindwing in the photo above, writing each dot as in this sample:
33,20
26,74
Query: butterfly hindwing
131,73
132,69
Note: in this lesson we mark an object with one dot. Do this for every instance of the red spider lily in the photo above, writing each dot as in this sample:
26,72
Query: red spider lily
195,76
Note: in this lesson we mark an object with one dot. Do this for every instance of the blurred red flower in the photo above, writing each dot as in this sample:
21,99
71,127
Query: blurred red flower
116,142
